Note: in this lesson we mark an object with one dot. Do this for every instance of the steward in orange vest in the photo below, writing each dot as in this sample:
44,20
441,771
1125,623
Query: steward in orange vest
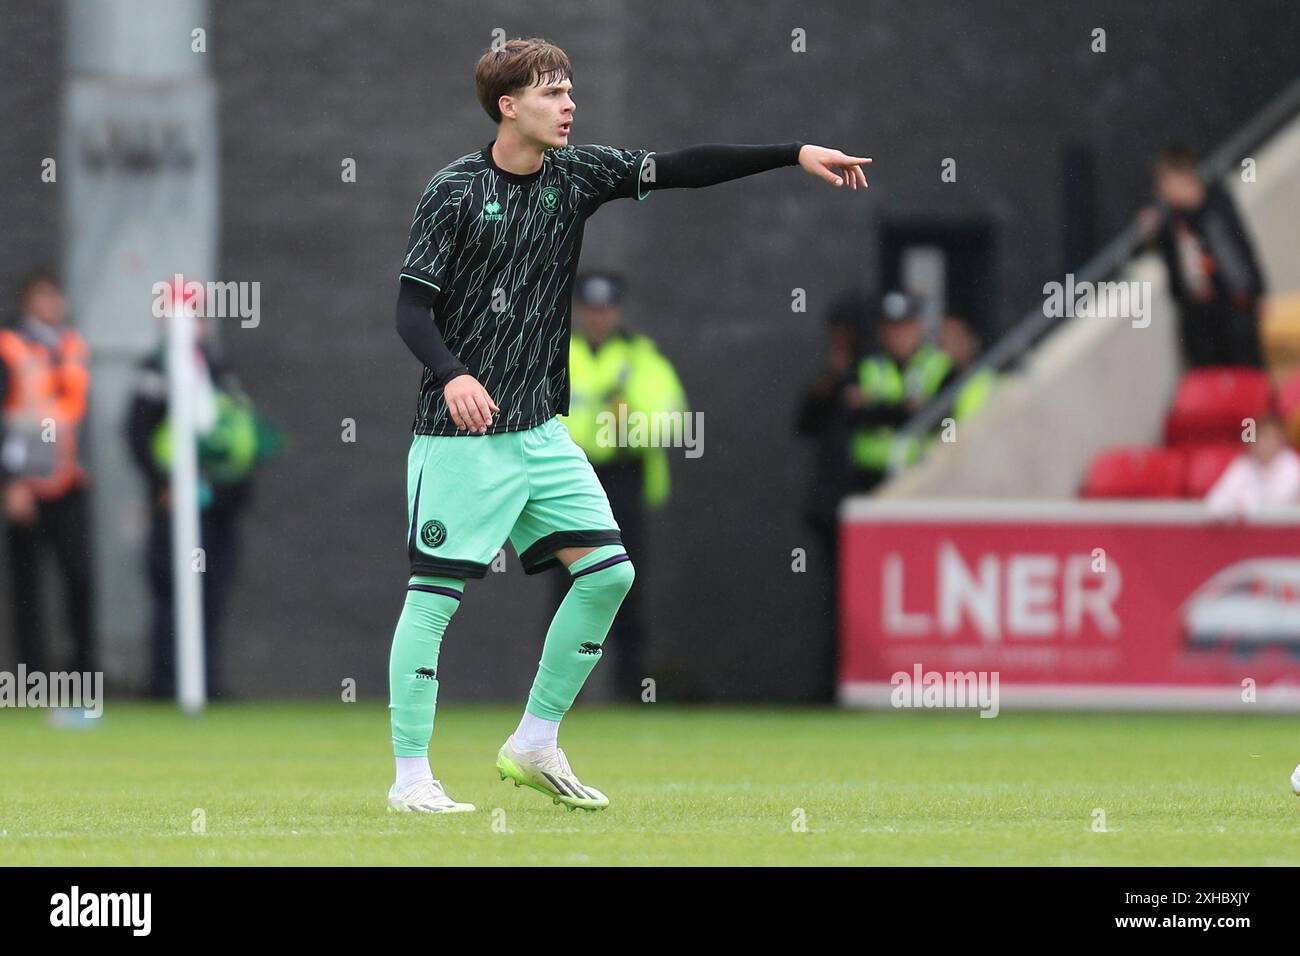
43,390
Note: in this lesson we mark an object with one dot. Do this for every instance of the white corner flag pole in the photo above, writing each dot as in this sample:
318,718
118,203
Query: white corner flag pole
188,562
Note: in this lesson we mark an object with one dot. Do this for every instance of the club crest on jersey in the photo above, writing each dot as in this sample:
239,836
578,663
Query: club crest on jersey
492,211
550,199
433,533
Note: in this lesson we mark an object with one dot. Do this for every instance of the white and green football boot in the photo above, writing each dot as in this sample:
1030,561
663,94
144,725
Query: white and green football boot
548,772
424,796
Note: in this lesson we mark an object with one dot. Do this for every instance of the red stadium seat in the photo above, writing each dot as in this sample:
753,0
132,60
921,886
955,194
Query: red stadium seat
1136,473
1205,465
1210,404
1288,396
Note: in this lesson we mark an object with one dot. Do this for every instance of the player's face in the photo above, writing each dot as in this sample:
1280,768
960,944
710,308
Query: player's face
544,112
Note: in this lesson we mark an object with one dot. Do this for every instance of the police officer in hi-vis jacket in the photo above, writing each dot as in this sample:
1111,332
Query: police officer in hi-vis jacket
611,366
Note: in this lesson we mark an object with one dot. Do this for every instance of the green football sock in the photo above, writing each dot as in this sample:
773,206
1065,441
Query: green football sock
413,661
601,580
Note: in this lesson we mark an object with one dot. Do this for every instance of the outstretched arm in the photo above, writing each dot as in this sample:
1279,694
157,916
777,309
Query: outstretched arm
713,163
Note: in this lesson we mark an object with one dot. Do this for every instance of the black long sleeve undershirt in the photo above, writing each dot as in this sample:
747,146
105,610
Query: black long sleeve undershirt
689,168
418,330
714,163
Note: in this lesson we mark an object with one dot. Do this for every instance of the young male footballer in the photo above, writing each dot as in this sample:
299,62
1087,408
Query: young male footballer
484,304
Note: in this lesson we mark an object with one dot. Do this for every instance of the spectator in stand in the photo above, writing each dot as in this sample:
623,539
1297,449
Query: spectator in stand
1213,273
1267,474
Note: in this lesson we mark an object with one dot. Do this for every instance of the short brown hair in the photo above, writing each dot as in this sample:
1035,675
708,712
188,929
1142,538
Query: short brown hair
42,275
519,63
1177,158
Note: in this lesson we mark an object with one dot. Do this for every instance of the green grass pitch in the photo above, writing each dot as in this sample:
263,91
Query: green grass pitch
306,784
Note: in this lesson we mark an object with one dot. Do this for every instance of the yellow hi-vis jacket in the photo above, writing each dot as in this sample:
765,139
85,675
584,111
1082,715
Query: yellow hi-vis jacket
884,383
974,394
627,370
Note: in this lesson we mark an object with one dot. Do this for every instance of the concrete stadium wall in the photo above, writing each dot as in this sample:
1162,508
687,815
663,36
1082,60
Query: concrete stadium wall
1004,89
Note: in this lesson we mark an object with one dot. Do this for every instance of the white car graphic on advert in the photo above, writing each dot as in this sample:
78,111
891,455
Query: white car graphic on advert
1253,603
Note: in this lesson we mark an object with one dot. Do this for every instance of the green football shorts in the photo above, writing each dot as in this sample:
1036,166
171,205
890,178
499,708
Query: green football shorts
467,493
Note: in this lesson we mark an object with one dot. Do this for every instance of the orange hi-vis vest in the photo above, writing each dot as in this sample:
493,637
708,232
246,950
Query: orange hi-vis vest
48,386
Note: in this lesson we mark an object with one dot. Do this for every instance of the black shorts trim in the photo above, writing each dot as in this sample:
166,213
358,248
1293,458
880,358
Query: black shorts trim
539,556
447,567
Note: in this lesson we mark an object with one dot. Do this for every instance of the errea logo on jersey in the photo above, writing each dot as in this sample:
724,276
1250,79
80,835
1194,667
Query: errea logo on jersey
492,211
